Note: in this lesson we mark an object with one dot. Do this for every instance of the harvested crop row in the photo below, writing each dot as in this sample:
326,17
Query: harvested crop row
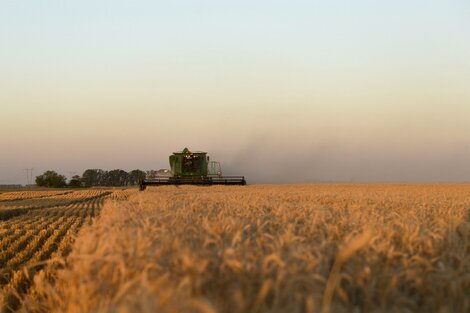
60,199
36,237
8,210
19,247
23,195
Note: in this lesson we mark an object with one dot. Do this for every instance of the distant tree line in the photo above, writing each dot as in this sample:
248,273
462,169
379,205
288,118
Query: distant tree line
98,177
92,178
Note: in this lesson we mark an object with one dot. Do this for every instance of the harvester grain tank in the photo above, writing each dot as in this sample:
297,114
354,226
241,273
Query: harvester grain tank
193,168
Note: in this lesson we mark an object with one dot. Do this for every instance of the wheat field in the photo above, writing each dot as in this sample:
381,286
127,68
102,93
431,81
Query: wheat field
259,248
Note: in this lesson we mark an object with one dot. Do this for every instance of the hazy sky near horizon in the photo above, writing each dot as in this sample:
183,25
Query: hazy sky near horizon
280,91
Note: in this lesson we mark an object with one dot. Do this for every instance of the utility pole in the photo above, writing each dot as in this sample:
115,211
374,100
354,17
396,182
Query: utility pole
29,175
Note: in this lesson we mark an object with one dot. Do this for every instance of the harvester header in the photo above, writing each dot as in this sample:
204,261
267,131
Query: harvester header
192,168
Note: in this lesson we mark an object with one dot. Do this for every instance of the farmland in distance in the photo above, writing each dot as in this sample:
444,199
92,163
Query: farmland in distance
263,248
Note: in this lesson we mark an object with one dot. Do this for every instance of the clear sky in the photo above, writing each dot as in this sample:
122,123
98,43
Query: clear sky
280,91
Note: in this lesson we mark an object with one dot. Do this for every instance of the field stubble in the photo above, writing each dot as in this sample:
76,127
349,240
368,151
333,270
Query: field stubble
36,227
299,248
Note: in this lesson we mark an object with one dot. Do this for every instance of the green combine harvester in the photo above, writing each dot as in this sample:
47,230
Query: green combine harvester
192,168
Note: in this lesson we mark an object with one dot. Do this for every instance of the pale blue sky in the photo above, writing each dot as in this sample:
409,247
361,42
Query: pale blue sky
324,90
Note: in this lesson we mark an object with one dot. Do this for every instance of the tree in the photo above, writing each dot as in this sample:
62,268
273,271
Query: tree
76,181
136,176
117,178
93,177
51,179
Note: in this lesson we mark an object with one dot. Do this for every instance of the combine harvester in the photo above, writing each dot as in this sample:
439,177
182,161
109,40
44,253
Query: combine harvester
192,168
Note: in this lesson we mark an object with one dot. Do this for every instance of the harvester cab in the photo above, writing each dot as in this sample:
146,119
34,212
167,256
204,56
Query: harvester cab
192,168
